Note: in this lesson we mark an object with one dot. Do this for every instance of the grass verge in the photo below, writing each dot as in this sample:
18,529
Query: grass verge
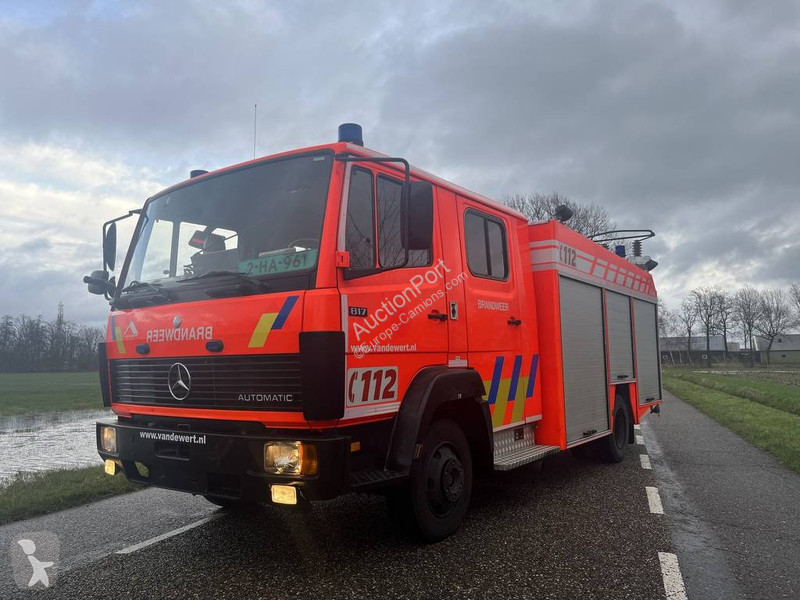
26,393
32,495
768,428
775,395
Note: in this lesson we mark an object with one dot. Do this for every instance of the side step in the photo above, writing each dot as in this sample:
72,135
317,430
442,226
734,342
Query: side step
369,478
523,456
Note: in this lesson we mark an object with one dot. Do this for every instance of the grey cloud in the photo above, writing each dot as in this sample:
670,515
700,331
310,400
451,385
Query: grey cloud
675,117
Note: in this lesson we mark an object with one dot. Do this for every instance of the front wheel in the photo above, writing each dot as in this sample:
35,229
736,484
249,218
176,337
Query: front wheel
438,496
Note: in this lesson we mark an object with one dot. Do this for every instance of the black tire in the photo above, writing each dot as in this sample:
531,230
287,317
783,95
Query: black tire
612,448
231,504
437,499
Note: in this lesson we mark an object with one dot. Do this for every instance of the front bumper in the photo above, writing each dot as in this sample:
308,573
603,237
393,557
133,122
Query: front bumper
224,465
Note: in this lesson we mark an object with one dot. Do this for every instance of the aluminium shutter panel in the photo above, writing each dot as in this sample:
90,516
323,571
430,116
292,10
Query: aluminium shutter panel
647,363
620,347
584,362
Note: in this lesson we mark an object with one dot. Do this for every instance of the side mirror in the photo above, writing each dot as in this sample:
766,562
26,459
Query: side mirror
418,217
98,283
109,247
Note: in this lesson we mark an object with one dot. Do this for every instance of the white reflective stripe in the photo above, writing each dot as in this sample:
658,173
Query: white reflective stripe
671,574
340,245
367,411
654,500
345,319
457,362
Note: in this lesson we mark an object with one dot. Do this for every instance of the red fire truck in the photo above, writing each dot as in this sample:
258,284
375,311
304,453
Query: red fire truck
332,320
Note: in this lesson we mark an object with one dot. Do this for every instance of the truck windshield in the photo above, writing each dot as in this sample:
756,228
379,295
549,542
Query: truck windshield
263,221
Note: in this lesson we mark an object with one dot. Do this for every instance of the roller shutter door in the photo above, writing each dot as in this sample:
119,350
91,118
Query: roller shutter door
584,365
620,347
647,363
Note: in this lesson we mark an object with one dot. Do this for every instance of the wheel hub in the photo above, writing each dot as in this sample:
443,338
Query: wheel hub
445,480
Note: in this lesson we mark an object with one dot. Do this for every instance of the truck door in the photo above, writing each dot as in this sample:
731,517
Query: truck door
394,309
493,311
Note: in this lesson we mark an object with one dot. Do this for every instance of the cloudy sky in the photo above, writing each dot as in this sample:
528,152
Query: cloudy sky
676,117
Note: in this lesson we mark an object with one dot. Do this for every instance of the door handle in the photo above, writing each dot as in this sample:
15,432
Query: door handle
515,322
437,316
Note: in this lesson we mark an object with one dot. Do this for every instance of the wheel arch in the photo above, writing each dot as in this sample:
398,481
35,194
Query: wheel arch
442,392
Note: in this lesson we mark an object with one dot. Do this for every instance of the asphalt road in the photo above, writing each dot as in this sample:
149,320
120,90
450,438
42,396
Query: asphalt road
734,511
572,529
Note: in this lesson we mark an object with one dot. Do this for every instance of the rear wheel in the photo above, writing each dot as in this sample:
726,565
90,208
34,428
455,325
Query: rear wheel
437,498
612,448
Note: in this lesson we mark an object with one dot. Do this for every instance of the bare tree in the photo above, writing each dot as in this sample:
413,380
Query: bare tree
687,317
746,313
588,218
706,303
794,294
775,317
725,320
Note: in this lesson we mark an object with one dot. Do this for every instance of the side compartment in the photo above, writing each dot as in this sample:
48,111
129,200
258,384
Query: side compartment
584,360
648,366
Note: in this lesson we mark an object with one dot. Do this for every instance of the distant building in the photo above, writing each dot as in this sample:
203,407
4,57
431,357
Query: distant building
675,350
785,349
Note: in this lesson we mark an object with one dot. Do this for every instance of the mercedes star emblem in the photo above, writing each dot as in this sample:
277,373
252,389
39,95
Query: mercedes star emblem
176,321
179,381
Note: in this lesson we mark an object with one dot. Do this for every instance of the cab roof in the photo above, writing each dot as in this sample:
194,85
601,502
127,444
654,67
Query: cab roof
355,149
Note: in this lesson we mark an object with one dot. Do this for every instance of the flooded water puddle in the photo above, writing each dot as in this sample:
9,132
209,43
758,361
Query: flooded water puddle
47,442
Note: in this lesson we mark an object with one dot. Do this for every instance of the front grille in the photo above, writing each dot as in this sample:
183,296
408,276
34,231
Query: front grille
234,382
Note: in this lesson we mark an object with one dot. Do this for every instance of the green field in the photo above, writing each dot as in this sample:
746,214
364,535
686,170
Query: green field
32,495
25,393
762,406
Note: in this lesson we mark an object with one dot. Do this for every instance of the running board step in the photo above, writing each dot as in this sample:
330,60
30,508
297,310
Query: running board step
515,459
373,478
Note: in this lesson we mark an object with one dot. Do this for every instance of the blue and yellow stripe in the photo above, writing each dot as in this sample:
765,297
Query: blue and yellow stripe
271,322
507,395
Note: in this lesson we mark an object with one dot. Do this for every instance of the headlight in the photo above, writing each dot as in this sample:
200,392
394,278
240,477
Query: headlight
290,458
108,439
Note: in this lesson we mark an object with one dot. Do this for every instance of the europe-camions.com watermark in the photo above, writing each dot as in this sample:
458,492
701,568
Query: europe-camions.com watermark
397,306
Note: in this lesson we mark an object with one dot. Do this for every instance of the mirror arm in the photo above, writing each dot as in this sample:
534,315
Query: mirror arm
108,224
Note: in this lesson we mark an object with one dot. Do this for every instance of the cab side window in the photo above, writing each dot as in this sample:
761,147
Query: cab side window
374,212
390,244
487,250
360,229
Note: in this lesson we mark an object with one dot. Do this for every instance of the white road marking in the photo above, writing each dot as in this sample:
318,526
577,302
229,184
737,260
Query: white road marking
645,460
165,536
637,427
640,440
671,573
654,500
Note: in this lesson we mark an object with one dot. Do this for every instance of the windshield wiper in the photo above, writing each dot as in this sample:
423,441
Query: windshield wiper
241,277
132,300
144,285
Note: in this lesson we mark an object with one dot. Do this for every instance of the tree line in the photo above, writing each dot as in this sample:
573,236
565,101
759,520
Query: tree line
745,313
29,344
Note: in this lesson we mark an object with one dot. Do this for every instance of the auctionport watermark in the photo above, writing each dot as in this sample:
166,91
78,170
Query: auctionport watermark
397,306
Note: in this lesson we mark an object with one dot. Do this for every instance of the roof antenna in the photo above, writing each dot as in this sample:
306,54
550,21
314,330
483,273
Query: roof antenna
255,122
